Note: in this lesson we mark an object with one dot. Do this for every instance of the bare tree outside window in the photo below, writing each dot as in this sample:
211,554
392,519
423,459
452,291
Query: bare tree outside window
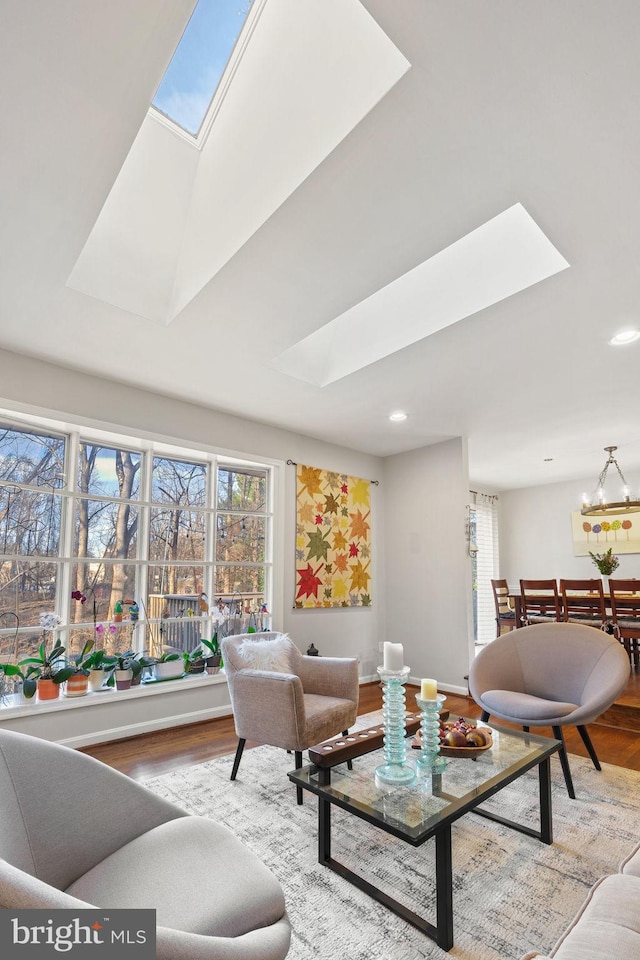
207,529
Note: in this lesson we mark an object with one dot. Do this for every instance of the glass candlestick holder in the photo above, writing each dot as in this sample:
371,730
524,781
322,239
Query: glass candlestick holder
395,770
429,760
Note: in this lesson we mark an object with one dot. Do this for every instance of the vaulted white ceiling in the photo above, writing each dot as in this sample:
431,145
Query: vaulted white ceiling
446,116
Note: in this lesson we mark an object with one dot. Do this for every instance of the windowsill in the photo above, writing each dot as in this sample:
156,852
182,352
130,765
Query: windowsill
15,706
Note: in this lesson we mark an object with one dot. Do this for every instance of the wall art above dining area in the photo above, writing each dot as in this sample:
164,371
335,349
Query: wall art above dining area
620,531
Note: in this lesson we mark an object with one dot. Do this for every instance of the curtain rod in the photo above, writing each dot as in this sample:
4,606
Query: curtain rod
293,463
492,496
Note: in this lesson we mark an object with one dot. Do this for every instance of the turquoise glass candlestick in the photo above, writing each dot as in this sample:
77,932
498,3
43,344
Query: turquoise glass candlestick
395,770
429,760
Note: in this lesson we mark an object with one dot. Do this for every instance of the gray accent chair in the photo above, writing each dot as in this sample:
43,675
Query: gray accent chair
316,698
550,675
75,833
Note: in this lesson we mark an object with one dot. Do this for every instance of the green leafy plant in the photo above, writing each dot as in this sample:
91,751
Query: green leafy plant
213,647
49,665
166,657
194,660
29,677
132,660
605,562
81,662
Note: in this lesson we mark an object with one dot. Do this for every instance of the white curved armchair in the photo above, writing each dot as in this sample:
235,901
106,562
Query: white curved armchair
74,834
550,675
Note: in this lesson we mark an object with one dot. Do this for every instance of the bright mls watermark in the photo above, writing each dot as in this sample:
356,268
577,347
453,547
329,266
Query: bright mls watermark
105,933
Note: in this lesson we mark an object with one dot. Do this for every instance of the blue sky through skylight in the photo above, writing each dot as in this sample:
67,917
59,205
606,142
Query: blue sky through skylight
196,67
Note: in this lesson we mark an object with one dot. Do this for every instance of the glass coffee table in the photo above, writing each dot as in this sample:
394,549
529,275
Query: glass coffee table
425,809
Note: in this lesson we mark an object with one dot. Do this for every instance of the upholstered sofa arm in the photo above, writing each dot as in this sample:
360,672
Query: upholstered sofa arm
330,677
265,700
266,943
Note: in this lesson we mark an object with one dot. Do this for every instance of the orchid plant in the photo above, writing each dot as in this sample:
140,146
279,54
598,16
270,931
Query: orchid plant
47,665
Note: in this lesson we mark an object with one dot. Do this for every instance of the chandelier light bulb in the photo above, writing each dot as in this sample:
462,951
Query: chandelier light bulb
598,505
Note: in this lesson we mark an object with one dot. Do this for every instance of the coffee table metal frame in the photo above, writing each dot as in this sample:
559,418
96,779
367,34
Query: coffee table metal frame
317,779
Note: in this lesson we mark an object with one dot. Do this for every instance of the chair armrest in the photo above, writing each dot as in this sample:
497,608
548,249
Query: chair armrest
80,784
21,891
330,677
269,708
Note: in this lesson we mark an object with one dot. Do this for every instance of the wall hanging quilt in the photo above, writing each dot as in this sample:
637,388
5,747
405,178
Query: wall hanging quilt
333,539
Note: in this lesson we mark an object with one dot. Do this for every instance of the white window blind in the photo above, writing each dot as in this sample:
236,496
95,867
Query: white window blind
487,564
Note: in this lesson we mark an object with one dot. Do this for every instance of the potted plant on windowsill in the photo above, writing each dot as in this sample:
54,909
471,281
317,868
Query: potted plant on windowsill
48,670
194,660
125,668
27,677
168,665
213,659
95,664
78,683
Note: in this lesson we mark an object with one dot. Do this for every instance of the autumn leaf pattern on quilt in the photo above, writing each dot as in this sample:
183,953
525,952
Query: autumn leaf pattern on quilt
333,539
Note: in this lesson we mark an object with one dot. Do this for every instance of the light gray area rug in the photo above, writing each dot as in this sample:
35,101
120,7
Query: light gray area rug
511,892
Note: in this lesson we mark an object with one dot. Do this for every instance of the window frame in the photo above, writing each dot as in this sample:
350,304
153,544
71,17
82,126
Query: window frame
70,494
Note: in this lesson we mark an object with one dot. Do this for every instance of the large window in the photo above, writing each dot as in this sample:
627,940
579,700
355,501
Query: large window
163,548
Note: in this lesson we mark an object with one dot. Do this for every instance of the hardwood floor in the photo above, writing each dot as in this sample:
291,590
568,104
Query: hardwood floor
155,753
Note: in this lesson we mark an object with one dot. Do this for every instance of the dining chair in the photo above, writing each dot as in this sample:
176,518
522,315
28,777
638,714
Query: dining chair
583,602
625,615
505,615
540,601
550,675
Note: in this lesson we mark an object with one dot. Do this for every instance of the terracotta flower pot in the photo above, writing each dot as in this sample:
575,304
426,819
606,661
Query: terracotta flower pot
77,685
48,690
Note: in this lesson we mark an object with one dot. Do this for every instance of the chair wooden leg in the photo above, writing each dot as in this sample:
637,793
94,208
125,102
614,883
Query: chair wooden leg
345,733
564,762
236,762
298,765
586,739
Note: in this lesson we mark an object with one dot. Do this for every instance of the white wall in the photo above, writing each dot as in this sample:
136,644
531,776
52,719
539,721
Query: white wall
37,387
428,580
535,534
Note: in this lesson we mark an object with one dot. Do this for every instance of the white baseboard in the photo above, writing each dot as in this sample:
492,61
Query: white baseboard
149,726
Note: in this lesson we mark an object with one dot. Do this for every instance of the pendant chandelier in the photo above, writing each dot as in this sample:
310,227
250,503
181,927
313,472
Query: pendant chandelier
599,506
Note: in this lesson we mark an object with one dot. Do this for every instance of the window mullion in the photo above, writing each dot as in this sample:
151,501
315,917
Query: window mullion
66,528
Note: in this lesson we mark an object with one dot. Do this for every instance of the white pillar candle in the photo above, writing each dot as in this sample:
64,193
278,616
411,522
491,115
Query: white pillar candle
428,690
393,656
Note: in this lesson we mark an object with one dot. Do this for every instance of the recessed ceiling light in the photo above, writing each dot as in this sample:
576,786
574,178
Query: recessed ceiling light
398,416
624,337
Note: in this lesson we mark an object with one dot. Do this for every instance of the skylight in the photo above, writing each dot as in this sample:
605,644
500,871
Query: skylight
503,256
191,79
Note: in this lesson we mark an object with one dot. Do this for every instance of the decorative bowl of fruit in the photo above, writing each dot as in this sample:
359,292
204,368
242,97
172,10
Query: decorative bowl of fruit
460,738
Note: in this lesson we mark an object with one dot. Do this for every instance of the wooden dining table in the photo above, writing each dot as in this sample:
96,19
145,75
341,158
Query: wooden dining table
515,602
